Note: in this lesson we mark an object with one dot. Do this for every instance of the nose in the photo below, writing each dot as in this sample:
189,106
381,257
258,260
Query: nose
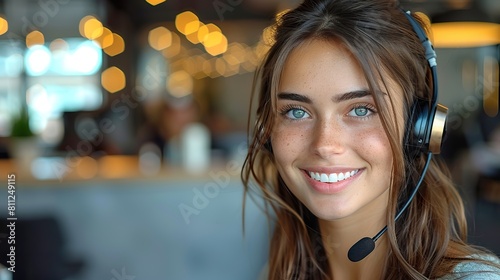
329,138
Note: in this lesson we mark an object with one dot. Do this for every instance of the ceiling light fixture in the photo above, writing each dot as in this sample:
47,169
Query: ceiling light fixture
464,28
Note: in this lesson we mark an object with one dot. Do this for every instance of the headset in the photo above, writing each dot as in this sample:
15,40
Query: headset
427,121
425,131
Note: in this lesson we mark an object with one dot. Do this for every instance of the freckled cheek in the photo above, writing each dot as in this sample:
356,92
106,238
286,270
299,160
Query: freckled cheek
287,143
374,146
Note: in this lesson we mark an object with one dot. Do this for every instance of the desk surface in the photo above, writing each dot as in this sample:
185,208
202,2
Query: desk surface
59,169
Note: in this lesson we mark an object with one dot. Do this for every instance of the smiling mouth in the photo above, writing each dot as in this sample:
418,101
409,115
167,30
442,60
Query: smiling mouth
331,177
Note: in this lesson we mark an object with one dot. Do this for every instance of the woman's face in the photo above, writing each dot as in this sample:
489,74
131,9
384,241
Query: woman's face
328,141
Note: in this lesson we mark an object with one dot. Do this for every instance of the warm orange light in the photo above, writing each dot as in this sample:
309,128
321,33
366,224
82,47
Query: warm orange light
260,50
220,66
199,60
174,48
34,38
92,28
117,47
81,26
180,84
237,50
202,32
465,34
215,43
189,65
106,39
231,59
268,36
205,30
113,79
193,36
232,69
207,67
155,2
87,167
192,27
58,44
160,38
427,24
187,22
4,26
280,14
213,39
490,87
118,166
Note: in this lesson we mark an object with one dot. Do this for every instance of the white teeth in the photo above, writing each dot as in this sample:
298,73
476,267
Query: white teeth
324,178
332,177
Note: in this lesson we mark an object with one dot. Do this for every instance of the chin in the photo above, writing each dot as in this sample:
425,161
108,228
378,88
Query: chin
329,213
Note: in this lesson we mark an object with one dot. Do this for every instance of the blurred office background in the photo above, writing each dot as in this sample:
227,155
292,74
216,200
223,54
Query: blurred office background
124,122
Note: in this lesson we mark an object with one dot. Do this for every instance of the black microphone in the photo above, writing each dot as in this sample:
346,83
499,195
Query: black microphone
366,245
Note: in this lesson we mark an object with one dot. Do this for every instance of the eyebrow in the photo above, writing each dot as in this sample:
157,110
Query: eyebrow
294,97
351,95
338,98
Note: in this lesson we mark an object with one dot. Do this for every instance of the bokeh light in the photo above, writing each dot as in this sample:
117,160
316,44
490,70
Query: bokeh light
86,58
4,26
117,47
92,28
174,48
37,60
87,167
187,22
113,79
160,38
215,43
155,2
34,38
106,39
205,30
180,84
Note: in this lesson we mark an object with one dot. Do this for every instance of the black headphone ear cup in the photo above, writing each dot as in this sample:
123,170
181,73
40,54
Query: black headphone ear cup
417,127
426,127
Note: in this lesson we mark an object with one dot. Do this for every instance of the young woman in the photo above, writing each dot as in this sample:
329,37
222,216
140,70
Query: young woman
341,149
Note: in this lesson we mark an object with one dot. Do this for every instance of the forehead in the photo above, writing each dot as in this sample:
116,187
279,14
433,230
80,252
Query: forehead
316,64
321,64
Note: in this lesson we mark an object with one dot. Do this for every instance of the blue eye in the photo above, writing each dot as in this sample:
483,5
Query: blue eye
361,111
296,114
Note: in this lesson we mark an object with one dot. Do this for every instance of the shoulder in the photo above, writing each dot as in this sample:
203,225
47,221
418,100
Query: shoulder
485,267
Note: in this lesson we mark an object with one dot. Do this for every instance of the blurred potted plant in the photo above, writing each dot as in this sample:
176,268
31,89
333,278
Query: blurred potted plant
21,126
23,144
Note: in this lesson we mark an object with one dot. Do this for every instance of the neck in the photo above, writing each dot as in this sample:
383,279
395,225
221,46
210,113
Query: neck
340,235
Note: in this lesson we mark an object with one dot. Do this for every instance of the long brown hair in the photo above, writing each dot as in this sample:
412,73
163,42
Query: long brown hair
429,238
